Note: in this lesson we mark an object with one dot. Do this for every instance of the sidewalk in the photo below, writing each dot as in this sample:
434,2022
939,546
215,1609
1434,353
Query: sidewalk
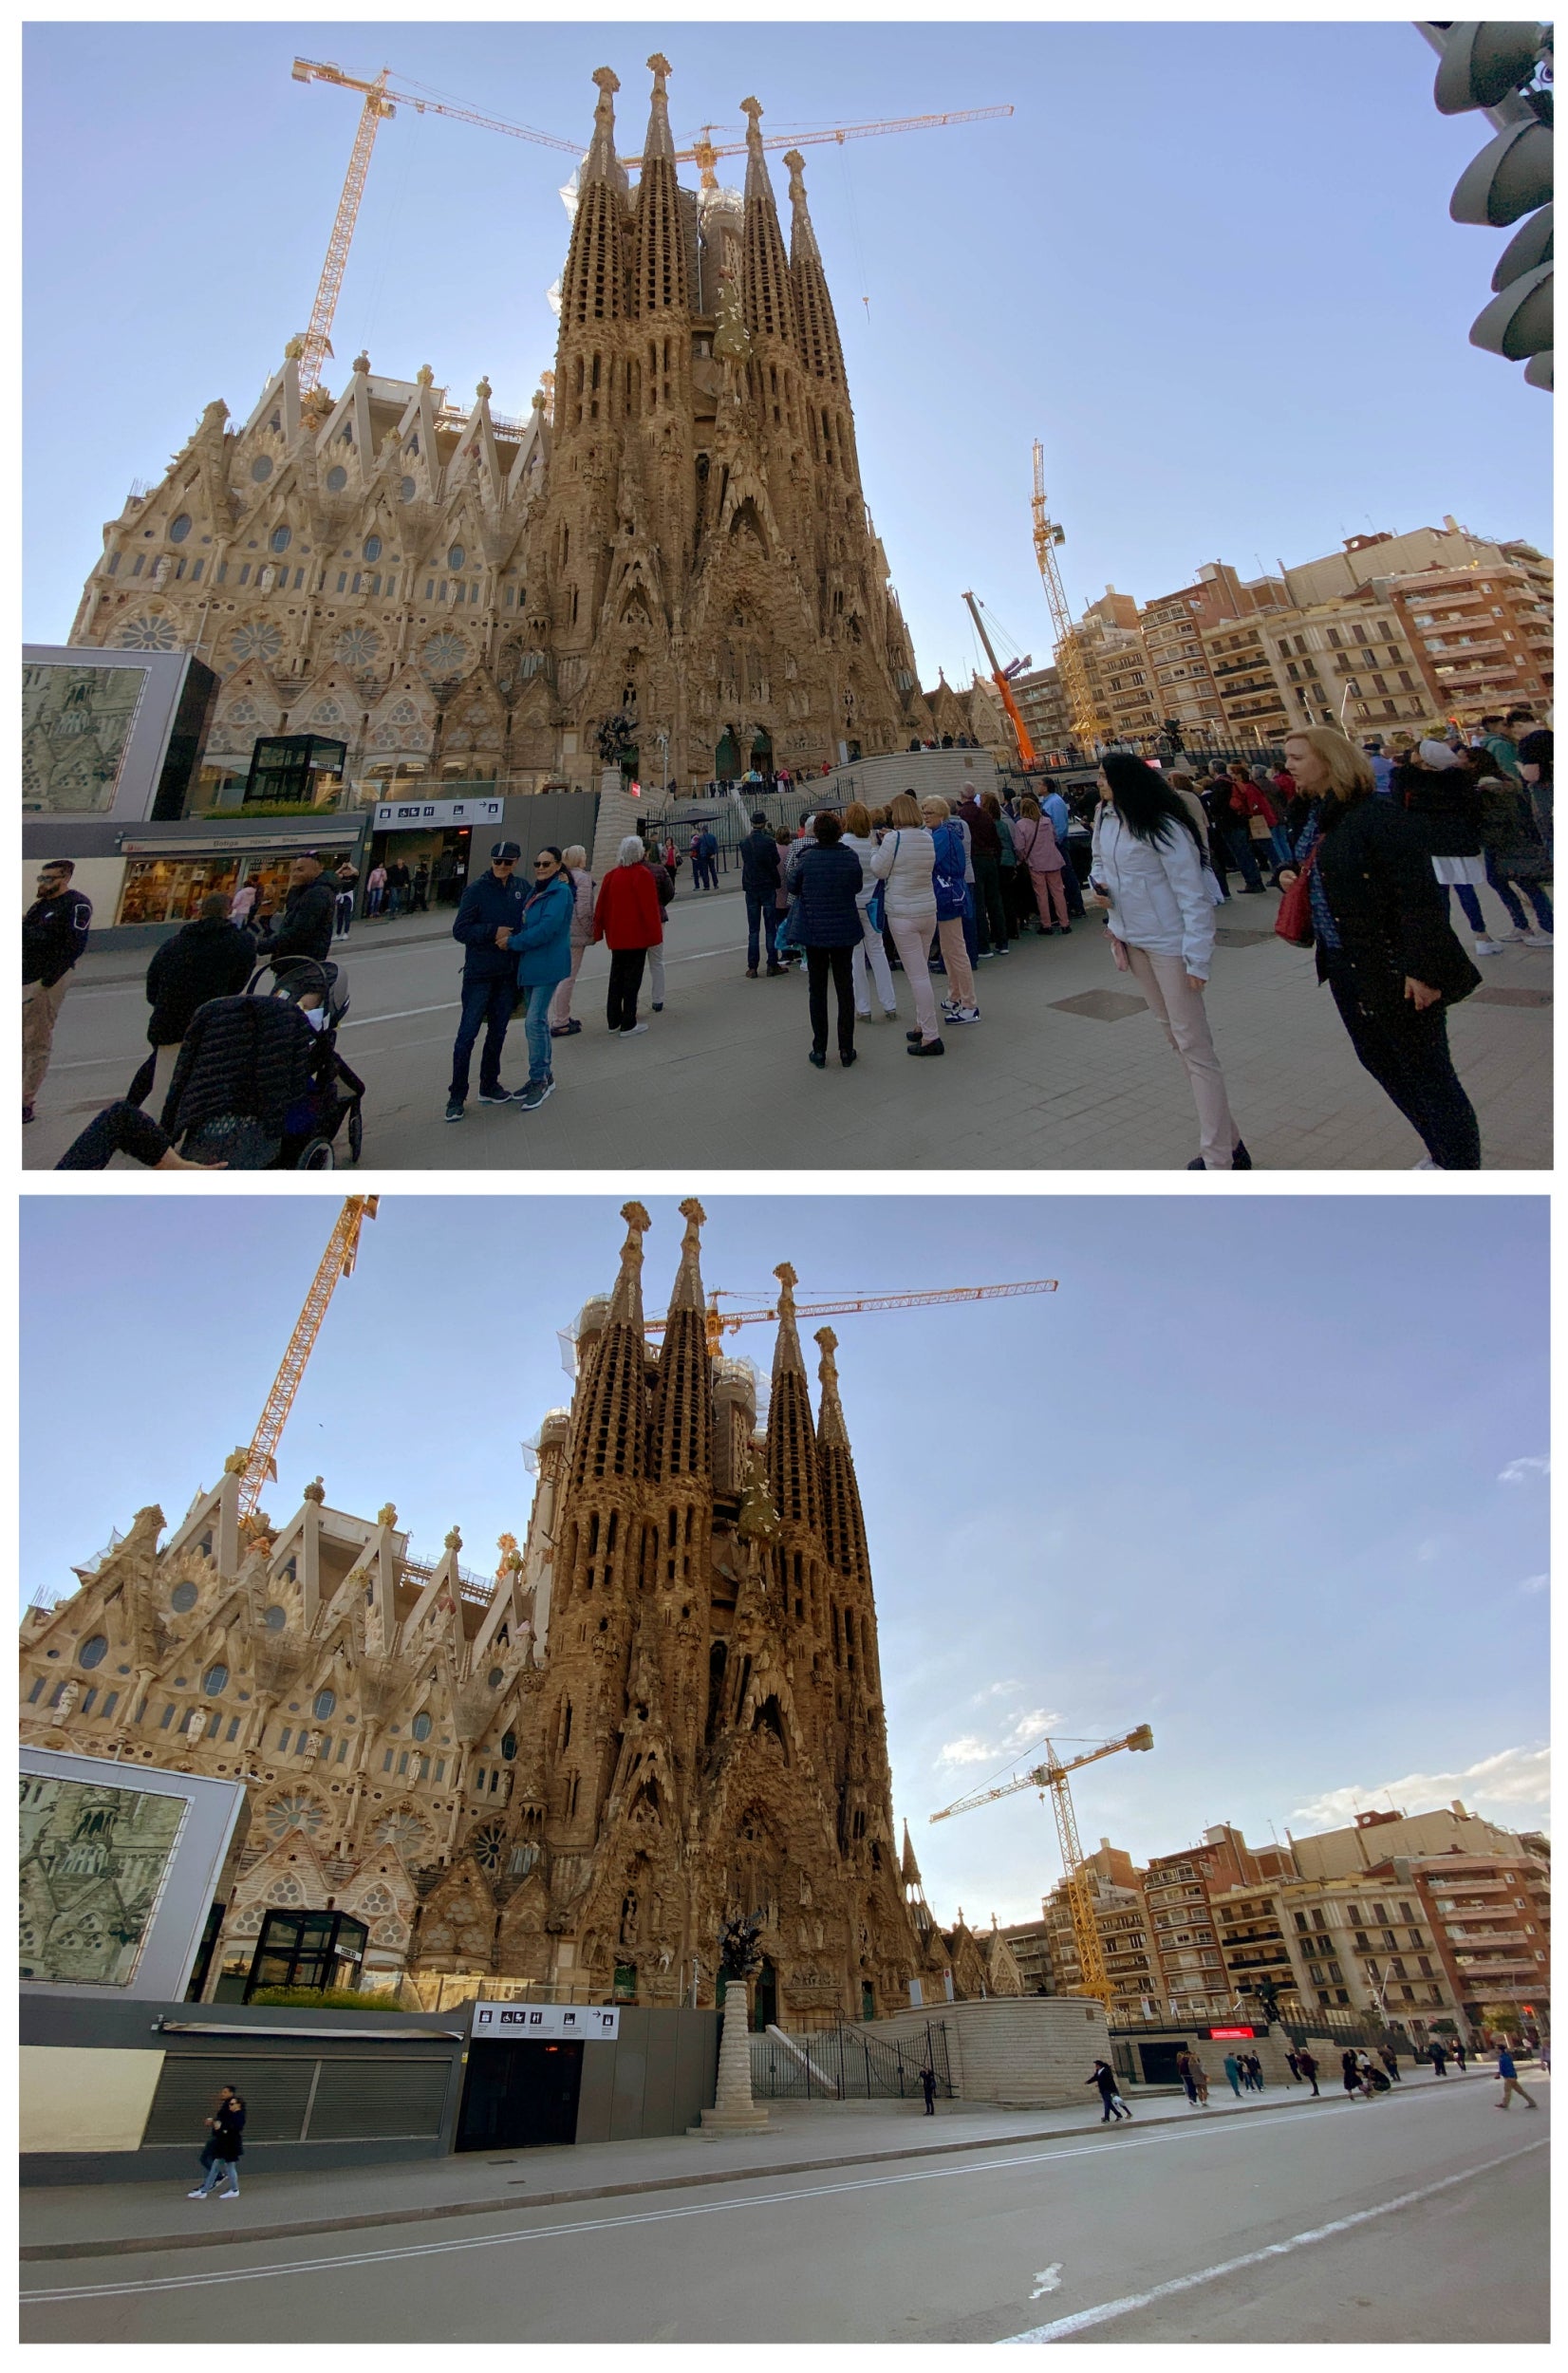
97,2220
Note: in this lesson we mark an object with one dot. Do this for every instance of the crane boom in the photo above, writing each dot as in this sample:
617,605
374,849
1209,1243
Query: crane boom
1051,1779
336,1262
1086,720
1028,757
722,1322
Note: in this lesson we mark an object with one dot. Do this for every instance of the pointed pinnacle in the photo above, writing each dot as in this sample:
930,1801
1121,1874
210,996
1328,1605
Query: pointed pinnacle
600,164
688,1282
787,1347
757,183
658,142
626,1301
831,1428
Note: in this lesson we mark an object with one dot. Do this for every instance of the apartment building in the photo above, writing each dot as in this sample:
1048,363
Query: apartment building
1116,661
1350,663
1042,705
1252,709
1132,1962
1030,1944
1481,635
1179,1891
1354,1944
1490,1916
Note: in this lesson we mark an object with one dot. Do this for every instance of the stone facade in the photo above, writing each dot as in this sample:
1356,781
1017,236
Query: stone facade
676,536
664,1708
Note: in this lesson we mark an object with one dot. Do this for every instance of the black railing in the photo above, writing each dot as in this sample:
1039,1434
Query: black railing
844,2064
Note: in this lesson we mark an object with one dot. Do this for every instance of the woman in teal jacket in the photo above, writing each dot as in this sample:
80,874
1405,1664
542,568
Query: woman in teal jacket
542,943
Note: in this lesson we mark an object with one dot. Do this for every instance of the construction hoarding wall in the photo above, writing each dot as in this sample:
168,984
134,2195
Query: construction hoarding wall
1032,2051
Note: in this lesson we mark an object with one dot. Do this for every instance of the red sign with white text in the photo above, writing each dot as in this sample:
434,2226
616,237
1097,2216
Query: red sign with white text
1222,2034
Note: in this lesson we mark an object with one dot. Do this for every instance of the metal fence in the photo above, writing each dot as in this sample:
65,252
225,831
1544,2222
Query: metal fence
840,2063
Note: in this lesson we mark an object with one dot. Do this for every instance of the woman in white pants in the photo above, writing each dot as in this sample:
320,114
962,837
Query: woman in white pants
903,860
1147,868
584,888
859,837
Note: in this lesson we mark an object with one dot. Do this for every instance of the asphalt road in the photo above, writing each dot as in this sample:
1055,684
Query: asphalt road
1416,2219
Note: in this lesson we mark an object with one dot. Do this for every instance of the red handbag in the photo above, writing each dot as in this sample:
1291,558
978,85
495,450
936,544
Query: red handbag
1294,920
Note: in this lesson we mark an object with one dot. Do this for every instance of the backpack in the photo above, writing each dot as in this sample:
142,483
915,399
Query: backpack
947,872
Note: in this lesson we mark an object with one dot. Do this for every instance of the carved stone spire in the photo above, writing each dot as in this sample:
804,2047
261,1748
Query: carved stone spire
625,1302
764,267
592,285
819,339
610,1431
602,164
661,283
688,1284
787,1352
908,1868
792,1437
843,1520
681,1431
830,1429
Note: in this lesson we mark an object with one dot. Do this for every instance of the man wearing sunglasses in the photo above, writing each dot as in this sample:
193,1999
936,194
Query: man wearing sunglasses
491,909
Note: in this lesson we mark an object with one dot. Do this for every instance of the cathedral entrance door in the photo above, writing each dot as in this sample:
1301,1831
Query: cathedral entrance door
519,2095
726,759
765,2002
762,755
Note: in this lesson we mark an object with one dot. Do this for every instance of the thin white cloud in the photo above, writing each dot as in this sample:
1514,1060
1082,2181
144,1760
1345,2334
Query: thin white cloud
1519,1469
998,1688
1023,1731
1533,1582
1518,1776
1427,1552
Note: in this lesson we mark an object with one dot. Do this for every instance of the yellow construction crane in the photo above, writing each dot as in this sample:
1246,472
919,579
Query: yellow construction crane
336,1262
1087,722
380,102
1051,1780
722,1322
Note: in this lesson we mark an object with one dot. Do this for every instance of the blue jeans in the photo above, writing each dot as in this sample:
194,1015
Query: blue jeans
1497,873
219,2168
486,1003
762,920
1242,857
1281,839
1469,904
536,1027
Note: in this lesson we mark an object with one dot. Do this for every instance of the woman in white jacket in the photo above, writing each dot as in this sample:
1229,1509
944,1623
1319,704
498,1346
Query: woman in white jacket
1148,868
903,860
859,837
562,1023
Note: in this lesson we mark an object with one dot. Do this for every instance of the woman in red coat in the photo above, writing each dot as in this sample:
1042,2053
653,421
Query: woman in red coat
626,917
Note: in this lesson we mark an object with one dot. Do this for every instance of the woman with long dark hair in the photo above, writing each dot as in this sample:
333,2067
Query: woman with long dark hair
1147,868
1382,943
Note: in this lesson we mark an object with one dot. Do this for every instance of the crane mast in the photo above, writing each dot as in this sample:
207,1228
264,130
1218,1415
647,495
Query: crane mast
336,1262
1051,1779
1028,759
1086,720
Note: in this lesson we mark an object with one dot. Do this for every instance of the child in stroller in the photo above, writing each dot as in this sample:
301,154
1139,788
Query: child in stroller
260,1083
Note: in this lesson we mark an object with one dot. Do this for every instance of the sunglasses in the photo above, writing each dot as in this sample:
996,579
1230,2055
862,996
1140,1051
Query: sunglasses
543,861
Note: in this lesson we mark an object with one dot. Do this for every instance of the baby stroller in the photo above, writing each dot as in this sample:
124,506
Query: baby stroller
260,1083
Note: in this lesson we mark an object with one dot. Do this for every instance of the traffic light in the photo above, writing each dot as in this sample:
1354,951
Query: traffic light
1505,70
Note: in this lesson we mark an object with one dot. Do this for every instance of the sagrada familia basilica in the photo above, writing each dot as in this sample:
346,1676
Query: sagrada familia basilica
676,536
665,1707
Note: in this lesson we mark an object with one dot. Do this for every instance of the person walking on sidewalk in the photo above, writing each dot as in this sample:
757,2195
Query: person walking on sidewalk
1147,870
870,964
562,1024
206,958
625,917
826,877
928,2086
1516,856
225,2127
1111,2104
542,943
1189,2082
1390,2058
760,875
375,890
488,912
1350,2069
663,882
1510,2080
1382,943
903,861
1200,2078
54,936
1256,2066
1308,2065
1232,2071
1438,2057
1460,2054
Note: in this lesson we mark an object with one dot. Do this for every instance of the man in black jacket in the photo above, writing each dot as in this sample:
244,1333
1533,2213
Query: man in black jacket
491,904
305,927
54,934
759,879
210,957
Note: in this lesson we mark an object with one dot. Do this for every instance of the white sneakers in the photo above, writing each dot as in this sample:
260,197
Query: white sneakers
1488,947
1537,939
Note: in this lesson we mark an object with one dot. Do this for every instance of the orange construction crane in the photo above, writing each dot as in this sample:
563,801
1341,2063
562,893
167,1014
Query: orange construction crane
380,102
336,1262
1086,720
722,1322
1051,1777
1028,759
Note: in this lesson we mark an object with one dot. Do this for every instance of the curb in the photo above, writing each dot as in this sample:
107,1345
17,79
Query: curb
415,2213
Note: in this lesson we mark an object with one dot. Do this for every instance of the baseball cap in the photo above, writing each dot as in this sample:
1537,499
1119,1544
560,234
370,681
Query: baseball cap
506,848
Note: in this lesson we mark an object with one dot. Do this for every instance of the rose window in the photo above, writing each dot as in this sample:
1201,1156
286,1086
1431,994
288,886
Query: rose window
146,634
403,1832
443,655
296,1812
260,642
359,647
487,1843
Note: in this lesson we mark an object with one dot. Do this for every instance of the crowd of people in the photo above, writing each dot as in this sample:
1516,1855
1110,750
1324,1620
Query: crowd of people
1371,846
1363,2076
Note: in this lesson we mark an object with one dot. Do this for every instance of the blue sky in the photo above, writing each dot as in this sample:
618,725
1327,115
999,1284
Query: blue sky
1242,1476
1211,266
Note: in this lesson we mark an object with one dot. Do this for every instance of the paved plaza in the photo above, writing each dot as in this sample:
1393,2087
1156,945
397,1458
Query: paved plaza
1416,2217
1065,1071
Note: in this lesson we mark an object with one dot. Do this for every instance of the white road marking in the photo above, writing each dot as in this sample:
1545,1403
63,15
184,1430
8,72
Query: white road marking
1049,2278
1066,2325
1155,2141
